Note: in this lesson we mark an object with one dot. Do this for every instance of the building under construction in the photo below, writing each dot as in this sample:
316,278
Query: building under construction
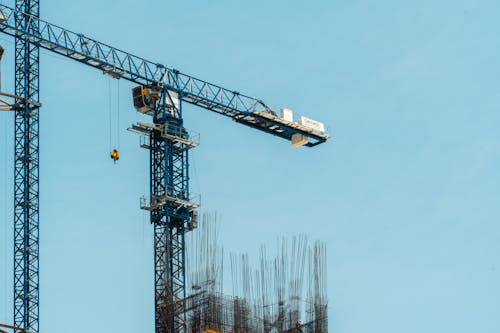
286,293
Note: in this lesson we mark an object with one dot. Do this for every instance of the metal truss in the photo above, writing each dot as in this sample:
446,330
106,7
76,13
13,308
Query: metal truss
169,179
241,108
26,173
120,63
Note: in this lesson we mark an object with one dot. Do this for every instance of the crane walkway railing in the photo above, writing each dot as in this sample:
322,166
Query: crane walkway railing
188,139
193,202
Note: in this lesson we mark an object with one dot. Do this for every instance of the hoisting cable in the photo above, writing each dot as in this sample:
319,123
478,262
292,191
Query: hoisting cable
110,115
114,153
118,114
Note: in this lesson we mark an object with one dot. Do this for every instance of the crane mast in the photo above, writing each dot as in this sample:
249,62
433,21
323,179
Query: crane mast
26,172
171,206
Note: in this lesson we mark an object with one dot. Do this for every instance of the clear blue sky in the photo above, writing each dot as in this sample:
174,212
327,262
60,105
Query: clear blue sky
406,194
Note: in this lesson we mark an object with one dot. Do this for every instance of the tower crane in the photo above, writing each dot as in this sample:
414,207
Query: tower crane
160,93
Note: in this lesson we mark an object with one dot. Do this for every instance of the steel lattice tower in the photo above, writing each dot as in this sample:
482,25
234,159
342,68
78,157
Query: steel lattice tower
26,173
169,212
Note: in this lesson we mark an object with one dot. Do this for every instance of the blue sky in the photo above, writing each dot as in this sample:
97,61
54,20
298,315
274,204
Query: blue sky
405,194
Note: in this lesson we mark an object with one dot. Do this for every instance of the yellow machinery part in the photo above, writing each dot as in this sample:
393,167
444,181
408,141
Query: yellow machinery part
114,154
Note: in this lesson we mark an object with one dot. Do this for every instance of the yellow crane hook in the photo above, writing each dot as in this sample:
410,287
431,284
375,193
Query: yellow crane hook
115,155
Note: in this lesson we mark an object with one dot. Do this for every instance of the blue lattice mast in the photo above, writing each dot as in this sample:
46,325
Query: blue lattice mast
172,210
26,172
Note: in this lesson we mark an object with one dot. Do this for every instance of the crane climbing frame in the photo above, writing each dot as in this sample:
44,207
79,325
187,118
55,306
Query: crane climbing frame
172,210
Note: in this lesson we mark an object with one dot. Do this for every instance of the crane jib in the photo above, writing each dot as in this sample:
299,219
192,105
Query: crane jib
246,110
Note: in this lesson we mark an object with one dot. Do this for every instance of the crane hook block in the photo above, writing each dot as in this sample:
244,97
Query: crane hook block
115,155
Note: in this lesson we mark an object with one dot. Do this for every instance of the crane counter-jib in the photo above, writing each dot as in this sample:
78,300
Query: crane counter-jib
246,110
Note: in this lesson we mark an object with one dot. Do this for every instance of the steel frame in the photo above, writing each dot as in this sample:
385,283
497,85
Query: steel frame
169,177
26,173
120,64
